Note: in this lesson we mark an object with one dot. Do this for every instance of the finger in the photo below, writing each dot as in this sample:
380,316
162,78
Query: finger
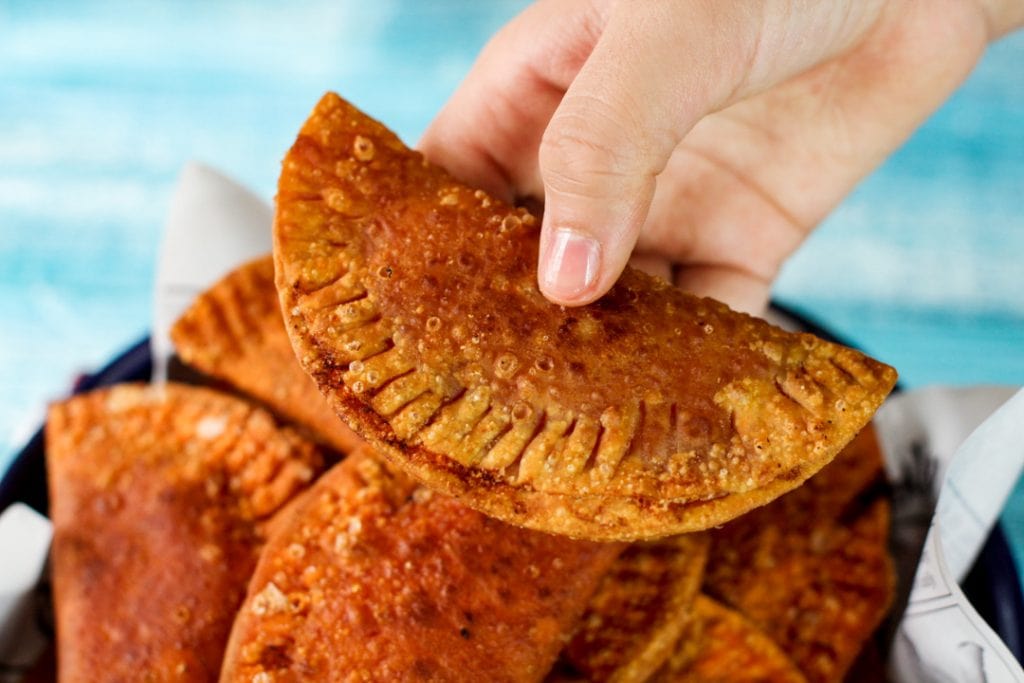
1002,16
489,131
654,265
719,223
741,289
607,141
657,69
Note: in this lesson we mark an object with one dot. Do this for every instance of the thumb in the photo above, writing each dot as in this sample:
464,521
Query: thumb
610,137
657,69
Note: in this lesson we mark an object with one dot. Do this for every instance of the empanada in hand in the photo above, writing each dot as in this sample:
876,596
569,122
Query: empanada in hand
412,301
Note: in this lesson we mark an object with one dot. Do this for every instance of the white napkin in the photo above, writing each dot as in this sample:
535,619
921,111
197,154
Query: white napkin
941,637
213,225
24,546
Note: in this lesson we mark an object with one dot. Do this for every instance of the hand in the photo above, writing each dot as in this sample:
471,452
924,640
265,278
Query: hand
709,136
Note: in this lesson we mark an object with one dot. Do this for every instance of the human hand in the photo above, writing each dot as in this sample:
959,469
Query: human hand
710,136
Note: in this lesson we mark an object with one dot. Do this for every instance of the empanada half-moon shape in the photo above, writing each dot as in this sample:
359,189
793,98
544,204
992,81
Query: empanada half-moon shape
375,577
234,332
412,301
161,498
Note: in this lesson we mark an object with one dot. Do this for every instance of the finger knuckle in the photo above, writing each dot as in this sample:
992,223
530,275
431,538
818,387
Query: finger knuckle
588,144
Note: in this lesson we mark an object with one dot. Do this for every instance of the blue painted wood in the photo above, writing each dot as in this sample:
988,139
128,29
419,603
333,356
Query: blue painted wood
102,102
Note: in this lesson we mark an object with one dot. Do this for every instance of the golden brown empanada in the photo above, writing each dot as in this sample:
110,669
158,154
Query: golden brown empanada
377,578
639,612
234,332
159,498
412,301
843,487
729,649
812,568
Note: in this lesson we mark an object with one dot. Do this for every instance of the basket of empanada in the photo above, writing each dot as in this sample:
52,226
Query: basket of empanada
402,463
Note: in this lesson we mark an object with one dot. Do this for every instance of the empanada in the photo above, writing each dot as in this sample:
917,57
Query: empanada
159,498
377,578
412,301
234,332
639,612
812,568
729,649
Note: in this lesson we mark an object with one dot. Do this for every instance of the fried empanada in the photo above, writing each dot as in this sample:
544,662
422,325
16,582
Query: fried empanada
729,649
412,301
841,488
812,568
234,332
159,497
377,578
639,612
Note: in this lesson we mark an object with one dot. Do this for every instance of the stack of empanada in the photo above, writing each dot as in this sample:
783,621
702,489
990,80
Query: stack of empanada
542,491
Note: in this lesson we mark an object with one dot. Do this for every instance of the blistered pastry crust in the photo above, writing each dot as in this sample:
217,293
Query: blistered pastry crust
729,647
412,301
377,578
812,569
640,611
160,498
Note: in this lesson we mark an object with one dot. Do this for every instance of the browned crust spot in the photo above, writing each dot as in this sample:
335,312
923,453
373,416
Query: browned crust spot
812,568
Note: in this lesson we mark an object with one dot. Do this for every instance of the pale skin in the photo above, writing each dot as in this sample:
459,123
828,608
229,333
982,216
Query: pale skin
701,139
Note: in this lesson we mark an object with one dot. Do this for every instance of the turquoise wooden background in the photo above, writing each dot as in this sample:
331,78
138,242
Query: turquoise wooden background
102,102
